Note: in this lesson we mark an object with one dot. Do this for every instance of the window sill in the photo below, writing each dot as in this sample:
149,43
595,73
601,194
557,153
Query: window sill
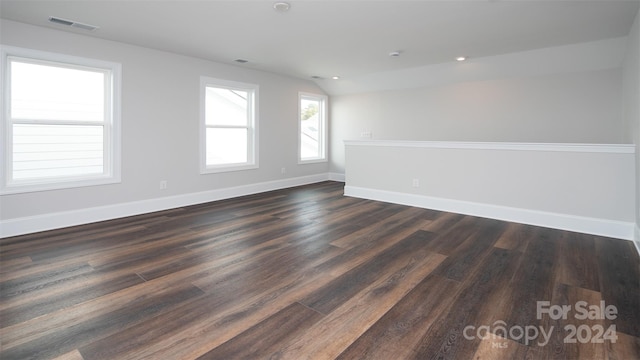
313,161
61,185
227,168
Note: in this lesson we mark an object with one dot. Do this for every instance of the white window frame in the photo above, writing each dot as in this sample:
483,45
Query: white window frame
323,129
111,125
252,125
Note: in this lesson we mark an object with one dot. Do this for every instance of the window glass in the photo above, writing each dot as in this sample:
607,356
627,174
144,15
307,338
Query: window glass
312,124
62,125
49,92
229,125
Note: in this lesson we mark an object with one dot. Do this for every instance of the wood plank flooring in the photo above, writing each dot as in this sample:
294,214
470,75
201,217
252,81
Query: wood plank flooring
306,273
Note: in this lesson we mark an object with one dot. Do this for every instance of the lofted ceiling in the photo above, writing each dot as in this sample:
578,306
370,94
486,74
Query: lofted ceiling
336,38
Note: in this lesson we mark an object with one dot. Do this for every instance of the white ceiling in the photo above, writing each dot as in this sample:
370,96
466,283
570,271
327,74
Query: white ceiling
346,38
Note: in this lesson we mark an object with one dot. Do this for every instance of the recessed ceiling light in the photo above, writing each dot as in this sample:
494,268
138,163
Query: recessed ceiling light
335,77
394,53
241,61
281,6
316,77
461,58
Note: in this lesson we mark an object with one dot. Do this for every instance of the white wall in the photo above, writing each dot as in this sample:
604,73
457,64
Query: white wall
160,94
631,112
534,101
551,185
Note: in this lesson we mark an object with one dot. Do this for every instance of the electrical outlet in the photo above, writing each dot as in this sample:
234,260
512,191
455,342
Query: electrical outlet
163,184
283,170
415,183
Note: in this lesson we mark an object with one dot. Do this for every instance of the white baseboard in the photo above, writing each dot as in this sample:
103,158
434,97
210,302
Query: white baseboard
32,224
602,227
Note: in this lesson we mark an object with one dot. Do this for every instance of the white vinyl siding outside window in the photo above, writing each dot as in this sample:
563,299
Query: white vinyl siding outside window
228,125
312,121
61,121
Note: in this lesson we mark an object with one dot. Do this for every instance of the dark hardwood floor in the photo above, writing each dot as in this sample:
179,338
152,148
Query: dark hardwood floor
306,273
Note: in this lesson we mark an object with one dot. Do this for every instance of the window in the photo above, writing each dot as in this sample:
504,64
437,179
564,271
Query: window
61,121
228,125
313,128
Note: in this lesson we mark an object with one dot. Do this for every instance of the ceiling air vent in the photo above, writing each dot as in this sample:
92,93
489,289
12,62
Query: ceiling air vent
71,23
